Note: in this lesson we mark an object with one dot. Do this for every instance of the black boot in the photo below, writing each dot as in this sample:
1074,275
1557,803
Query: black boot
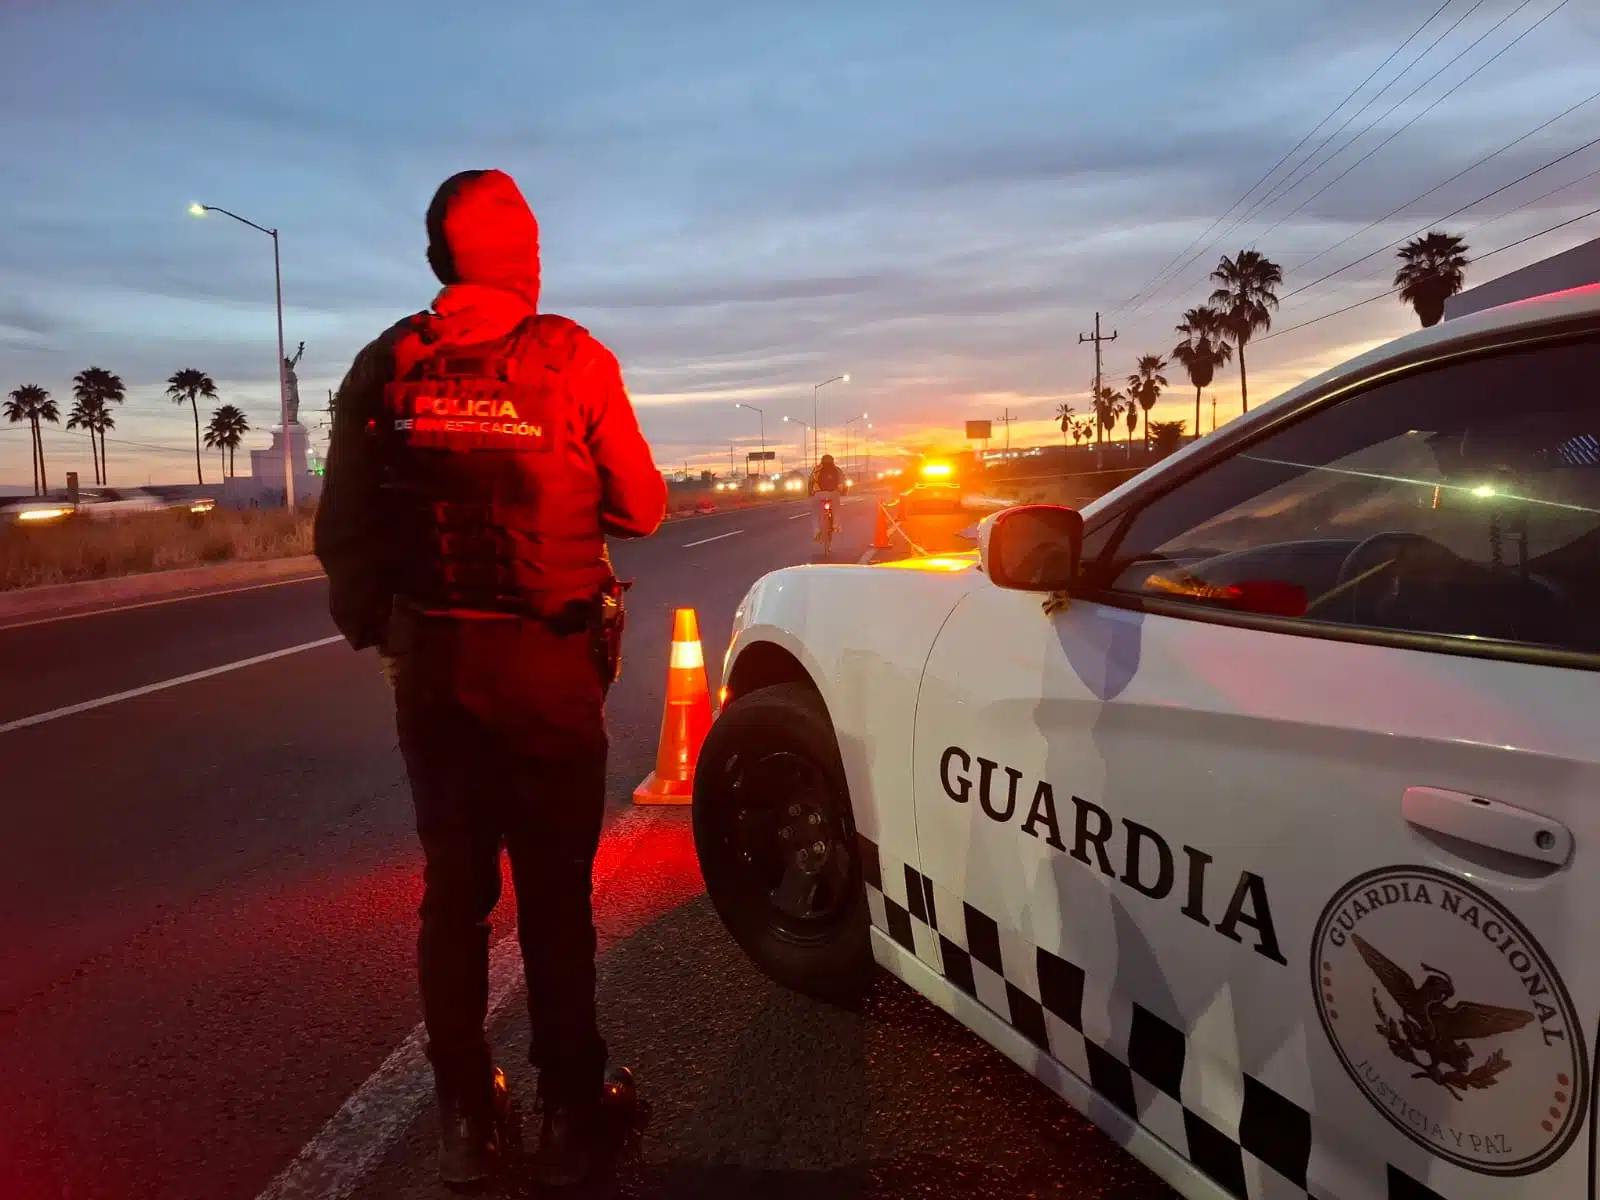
469,1141
569,1143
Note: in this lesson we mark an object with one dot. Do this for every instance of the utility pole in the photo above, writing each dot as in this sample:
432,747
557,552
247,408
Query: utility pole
1097,338
1006,421
1098,380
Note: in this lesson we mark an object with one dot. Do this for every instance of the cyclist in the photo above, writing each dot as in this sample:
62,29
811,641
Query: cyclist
826,481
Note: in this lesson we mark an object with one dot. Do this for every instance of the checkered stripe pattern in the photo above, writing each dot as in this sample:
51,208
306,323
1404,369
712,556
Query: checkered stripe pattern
1265,1155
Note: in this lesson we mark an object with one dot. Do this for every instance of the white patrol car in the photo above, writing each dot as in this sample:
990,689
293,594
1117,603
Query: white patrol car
1255,810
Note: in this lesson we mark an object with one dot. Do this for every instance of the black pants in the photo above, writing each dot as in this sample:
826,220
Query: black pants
486,770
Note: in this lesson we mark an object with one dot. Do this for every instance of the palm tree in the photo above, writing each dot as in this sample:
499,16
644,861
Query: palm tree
1107,408
225,431
1246,300
1433,268
1145,385
31,403
1064,412
187,386
16,411
97,389
83,415
1168,436
1133,423
1202,350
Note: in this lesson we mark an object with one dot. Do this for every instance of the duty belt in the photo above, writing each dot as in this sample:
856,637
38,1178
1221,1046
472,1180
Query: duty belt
602,616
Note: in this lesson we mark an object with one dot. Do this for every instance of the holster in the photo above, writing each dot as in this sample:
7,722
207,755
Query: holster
606,632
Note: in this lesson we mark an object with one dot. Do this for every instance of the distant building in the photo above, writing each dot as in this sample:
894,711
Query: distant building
1569,269
263,487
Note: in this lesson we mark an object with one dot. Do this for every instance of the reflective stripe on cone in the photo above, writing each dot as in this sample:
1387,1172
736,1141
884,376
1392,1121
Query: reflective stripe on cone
685,720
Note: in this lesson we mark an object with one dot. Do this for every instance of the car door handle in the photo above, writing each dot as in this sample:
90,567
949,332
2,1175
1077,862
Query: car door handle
1490,823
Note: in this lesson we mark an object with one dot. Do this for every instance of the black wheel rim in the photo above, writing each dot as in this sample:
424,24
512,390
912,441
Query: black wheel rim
787,846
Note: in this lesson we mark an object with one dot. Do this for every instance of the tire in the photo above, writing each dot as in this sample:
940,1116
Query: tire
776,732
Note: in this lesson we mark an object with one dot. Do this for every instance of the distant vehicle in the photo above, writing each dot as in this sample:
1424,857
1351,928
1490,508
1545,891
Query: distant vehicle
1255,809
118,502
35,511
935,488
100,504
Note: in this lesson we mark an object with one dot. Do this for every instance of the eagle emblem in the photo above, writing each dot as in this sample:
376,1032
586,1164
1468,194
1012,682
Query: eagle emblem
1433,1029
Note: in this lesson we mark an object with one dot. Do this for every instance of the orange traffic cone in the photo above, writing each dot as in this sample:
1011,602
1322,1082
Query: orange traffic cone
880,530
685,720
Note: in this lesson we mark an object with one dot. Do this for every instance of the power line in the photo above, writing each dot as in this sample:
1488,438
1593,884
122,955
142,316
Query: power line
1431,106
1530,203
1522,241
1294,177
1453,213
151,446
1332,112
1290,185
1415,199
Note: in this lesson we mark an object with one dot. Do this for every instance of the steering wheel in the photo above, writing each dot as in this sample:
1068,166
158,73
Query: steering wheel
1384,573
1406,581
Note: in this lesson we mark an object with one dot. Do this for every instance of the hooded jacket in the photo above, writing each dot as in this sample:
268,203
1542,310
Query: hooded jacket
404,490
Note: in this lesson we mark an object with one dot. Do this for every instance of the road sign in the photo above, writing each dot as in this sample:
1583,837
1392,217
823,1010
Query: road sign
761,456
979,431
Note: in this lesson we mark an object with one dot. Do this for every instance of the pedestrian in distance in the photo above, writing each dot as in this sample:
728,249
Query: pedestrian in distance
481,453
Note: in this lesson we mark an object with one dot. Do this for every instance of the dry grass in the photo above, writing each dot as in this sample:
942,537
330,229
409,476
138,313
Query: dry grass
82,548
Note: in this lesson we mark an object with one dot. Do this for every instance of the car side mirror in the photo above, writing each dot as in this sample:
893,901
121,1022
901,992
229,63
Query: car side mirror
1032,547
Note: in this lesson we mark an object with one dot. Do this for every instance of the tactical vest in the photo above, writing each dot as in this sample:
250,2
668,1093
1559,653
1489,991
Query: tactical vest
493,491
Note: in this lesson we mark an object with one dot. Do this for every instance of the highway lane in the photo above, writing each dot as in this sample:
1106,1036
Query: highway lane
212,887
207,905
53,665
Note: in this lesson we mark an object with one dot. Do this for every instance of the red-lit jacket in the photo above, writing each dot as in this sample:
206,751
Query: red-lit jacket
392,488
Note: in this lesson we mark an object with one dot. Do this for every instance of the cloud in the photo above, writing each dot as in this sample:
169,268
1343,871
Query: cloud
740,199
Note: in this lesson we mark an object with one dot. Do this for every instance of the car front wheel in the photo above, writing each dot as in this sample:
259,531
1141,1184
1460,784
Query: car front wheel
777,842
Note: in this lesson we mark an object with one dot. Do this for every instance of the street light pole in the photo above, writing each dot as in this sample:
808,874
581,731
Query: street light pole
200,210
816,425
847,425
762,414
283,383
808,429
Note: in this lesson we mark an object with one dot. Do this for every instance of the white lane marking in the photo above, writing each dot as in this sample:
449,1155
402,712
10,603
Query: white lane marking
717,538
56,714
333,1164
101,612
798,516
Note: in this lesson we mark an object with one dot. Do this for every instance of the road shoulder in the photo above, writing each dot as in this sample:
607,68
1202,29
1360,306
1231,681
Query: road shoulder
85,597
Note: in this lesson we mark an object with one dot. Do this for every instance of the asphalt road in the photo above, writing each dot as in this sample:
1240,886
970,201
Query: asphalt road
207,915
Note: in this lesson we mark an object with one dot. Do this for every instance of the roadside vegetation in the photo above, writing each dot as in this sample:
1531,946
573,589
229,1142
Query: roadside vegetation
81,547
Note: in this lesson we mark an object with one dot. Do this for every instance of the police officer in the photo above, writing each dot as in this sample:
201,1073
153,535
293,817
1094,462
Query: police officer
481,450
826,480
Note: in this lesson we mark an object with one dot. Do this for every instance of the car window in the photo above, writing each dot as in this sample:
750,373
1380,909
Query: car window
1462,500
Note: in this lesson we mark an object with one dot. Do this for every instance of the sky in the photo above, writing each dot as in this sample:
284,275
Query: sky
745,199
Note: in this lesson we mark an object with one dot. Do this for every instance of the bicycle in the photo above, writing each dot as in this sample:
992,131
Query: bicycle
829,527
